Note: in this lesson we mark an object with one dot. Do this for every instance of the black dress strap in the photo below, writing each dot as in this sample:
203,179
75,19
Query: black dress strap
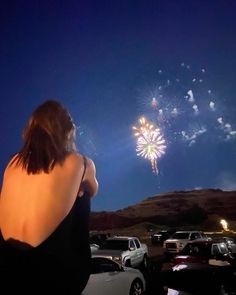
85,166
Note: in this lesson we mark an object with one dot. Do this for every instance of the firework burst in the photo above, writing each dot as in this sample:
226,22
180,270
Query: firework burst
150,142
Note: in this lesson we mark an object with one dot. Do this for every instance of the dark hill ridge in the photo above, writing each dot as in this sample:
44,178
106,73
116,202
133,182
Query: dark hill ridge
174,208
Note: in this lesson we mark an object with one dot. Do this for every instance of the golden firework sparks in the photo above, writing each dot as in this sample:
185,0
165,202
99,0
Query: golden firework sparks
150,142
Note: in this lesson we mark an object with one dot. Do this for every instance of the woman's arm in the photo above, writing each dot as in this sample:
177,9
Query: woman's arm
89,183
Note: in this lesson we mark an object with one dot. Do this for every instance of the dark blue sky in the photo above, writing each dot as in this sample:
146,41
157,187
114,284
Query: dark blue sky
106,60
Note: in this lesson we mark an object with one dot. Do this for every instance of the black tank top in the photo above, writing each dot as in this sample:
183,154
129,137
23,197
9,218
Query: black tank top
60,264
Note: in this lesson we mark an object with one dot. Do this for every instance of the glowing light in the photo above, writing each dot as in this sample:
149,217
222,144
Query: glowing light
190,97
160,112
154,103
228,126
212,105
195,108
191,138
220,120
174,112
224,224
150,142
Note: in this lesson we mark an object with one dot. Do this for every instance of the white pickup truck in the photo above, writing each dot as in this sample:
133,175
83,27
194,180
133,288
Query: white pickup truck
179,239
127,251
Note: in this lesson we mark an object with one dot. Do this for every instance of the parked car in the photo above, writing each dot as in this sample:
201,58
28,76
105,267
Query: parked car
98,238
109,277
230,242
203,251
179,239
196,278
160,236
202,263
128,251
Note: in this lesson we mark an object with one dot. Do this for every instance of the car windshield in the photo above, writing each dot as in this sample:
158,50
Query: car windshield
115,245
223,248
180,236
197,250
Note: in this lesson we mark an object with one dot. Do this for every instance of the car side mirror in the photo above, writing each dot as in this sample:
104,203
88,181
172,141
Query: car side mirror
131,248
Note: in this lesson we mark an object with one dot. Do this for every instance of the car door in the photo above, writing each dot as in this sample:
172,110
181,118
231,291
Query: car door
106,278
139,251
133,253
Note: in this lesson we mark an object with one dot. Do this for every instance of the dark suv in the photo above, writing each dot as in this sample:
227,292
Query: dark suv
160,236
203,251
99,238
202,266
230,242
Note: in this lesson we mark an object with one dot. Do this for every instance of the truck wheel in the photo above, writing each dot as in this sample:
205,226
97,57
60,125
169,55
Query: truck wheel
128,263
136,288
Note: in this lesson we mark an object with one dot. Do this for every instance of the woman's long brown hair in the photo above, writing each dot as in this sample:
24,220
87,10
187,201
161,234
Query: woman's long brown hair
48,137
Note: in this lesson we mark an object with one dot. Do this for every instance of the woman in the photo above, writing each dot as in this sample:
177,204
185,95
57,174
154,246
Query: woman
44,208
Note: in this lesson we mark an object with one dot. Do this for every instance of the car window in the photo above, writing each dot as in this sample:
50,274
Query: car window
115,245
223,248
180,236
100,265
215,249
131,244
197,236
137,243
204,236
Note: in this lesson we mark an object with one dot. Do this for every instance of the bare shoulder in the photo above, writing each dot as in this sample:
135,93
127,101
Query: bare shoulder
11,164
74,161
77,162
79,159
74,158
90,163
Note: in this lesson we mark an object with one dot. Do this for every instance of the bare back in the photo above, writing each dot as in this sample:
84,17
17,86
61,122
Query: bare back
33,205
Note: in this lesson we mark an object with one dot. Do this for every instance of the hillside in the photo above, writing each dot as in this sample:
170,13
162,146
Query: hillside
198,207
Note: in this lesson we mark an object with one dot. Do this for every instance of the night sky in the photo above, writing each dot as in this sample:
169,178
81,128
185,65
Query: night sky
111,62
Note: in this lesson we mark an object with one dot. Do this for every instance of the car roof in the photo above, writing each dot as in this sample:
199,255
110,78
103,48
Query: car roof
204,242
122,238
223,238
188,231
